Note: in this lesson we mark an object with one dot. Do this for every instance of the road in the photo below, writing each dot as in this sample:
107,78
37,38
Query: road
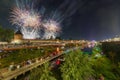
13,74
18,47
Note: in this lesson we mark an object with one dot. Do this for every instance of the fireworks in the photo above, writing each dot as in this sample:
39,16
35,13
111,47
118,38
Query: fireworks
52,29
29,20
25,18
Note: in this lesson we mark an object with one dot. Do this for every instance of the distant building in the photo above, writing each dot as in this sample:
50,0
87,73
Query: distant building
18,37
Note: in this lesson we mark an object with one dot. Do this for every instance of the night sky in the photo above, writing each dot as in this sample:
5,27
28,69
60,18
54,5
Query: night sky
83,19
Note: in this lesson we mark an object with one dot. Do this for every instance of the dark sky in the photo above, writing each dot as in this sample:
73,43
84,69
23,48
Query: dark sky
83,19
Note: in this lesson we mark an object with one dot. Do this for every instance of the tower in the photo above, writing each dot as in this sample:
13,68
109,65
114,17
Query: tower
18,37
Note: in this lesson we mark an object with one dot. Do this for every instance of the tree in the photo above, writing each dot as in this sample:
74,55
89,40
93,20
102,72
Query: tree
42,73
103,66
6,34
47,75
58,38
35,74
77,66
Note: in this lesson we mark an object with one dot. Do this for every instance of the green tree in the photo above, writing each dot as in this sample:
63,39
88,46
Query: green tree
58,38
6,34
42,73
36,74
77,66
47,75
103,66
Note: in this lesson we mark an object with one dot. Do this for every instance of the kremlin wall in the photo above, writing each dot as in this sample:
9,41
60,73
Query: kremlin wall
18,39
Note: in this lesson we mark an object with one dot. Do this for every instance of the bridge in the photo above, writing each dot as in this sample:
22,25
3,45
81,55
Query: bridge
36,44
8,75
19,47
14,74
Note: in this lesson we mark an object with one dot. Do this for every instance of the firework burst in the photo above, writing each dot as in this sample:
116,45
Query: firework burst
52,25
29,20
26,18
52,29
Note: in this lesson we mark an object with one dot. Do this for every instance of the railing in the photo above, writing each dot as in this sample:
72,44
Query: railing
13,74
28,47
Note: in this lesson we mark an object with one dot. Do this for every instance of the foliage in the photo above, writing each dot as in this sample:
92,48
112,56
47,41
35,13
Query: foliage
42,73
58,38
103,66
57,73
96,50
47,75
36,73
23,55
77,67
112,50
6,34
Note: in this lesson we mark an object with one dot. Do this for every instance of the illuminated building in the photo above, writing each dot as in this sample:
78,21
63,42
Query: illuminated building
18,37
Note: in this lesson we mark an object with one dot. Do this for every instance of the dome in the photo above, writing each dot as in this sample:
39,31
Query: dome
18,32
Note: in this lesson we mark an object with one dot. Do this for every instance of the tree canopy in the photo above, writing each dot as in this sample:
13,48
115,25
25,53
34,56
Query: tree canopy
6,34
77,67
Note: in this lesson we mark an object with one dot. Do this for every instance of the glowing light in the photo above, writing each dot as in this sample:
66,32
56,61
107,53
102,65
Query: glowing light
52,29
28,19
